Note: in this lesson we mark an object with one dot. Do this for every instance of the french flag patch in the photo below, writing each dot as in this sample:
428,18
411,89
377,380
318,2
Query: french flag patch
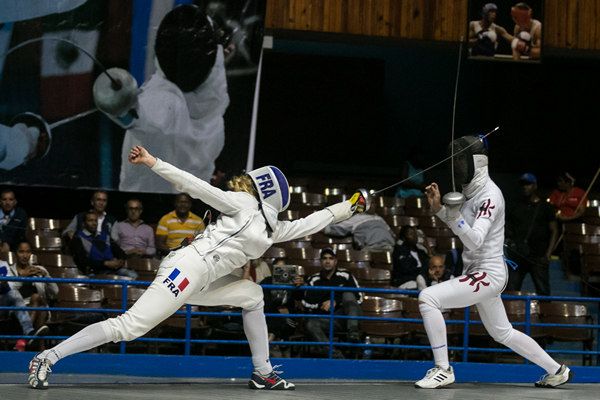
176,282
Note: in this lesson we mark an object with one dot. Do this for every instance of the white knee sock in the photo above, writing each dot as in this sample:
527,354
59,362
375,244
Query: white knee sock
87,338
434,323
526,347
255,328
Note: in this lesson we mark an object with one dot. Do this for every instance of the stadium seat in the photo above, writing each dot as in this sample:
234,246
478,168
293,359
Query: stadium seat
48,244
381,259
373,306
55,260
568,313
145,267
353,255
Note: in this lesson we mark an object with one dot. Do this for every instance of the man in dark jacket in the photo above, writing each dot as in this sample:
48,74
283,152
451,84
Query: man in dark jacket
319,302
96,253
13,221
408,259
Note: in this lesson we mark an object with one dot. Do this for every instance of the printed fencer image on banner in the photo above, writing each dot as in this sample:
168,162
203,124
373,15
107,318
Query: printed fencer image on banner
162,72
181,106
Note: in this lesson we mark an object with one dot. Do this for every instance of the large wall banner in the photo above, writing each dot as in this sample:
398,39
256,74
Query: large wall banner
84,80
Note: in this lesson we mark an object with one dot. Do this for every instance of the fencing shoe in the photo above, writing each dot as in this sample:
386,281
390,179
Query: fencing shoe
270,381
39,371
562,376
436,378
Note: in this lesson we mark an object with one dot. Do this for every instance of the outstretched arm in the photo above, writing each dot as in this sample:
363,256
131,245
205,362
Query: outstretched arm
185,182
290,230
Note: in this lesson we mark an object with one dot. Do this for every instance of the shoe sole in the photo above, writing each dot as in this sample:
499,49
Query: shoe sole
437,387
560,384
255,386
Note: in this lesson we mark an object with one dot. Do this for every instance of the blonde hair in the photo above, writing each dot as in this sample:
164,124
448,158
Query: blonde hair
241,183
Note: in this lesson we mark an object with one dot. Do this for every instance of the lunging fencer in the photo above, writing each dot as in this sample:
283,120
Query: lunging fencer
199,273
479,223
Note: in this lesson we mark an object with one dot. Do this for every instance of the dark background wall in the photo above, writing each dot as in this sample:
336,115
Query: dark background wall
346,108
545,110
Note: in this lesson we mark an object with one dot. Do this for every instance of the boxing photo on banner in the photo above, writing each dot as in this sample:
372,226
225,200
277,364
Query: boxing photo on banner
83,81
505,30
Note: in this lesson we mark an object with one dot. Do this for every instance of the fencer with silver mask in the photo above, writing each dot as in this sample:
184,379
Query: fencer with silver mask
201,272
478,221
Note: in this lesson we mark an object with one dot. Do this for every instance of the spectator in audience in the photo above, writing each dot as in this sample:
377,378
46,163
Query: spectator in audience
531,232
35,294
369,232
96,253
10,297
408,260
568,199
319,302
413,169
281,301
133,235
178,225
13,221
106,221
436,273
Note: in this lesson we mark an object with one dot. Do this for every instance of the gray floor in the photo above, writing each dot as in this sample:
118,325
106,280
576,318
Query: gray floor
86,387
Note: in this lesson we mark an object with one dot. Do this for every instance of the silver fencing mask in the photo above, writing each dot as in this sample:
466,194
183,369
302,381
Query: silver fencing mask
468,160
185,46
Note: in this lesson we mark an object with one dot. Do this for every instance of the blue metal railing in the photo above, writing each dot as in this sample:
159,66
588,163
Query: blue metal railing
188,313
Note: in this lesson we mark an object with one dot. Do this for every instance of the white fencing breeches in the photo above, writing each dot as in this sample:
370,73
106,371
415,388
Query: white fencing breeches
481,287
181,279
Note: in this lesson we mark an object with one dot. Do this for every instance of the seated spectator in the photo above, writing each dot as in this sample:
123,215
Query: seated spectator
35,294
256,270
178,225
531,232
10,297
436,273
281,301
319,302
568,199
13,221
99,201
408,260
96,253
133,236
369,232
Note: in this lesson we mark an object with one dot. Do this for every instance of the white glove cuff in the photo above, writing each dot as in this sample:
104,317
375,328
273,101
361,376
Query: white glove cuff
341,211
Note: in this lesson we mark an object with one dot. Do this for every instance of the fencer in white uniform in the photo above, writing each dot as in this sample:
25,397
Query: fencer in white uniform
479,223
200,272
180,108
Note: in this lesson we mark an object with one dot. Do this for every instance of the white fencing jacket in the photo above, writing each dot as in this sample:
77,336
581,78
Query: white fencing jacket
480,223
240,233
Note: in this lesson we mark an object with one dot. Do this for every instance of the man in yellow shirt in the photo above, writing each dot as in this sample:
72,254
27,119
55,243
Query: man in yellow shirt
178,225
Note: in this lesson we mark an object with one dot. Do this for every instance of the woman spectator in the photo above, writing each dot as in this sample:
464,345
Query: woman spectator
35,294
